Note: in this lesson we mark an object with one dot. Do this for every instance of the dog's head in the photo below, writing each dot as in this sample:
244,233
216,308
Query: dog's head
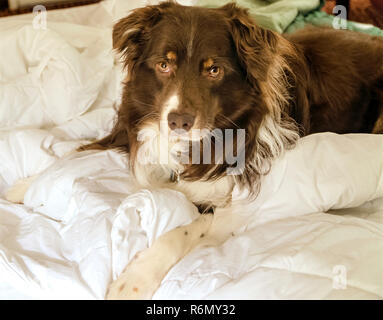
194,68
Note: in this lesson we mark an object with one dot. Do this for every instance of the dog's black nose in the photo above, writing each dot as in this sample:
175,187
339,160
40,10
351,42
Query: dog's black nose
180,121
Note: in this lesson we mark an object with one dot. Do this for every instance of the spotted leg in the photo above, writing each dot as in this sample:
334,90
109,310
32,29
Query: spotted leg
144,274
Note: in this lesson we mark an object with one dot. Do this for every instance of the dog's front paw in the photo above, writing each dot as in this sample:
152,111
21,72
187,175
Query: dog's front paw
16,193
139,280
144,274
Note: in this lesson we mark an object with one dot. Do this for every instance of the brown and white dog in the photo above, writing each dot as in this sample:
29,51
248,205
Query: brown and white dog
193,70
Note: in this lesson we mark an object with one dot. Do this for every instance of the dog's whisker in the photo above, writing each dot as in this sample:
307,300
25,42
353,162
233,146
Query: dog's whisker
225,118
143,103
153,116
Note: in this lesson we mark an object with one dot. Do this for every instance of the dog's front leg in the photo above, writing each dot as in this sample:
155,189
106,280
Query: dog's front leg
144,274
17,192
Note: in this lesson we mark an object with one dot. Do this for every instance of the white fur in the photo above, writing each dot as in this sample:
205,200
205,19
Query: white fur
144,274
217,193
272,141
170,105
156,161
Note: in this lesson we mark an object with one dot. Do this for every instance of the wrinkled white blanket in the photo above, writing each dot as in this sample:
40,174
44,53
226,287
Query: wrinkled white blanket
84,219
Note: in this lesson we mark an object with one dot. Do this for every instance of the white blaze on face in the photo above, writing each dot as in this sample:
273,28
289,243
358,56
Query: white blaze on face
170,105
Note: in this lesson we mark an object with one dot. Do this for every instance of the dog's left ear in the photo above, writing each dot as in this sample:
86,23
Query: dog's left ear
131,33
263,54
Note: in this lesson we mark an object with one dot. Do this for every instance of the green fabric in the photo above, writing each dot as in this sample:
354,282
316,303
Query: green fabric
320,18
276,15
290,15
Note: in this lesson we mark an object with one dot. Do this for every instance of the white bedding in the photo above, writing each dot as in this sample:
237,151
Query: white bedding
84,219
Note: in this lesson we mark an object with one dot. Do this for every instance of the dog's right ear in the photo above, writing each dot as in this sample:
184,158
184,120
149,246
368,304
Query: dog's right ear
131,33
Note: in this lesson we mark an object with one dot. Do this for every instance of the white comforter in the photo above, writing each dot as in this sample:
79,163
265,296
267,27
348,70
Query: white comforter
84,219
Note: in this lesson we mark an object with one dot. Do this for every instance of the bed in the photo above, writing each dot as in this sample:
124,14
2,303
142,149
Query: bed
315,231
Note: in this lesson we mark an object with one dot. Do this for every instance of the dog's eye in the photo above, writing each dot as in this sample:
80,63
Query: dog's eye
163,67
214,71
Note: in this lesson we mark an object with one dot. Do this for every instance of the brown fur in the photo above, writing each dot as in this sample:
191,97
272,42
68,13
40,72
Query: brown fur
314,80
